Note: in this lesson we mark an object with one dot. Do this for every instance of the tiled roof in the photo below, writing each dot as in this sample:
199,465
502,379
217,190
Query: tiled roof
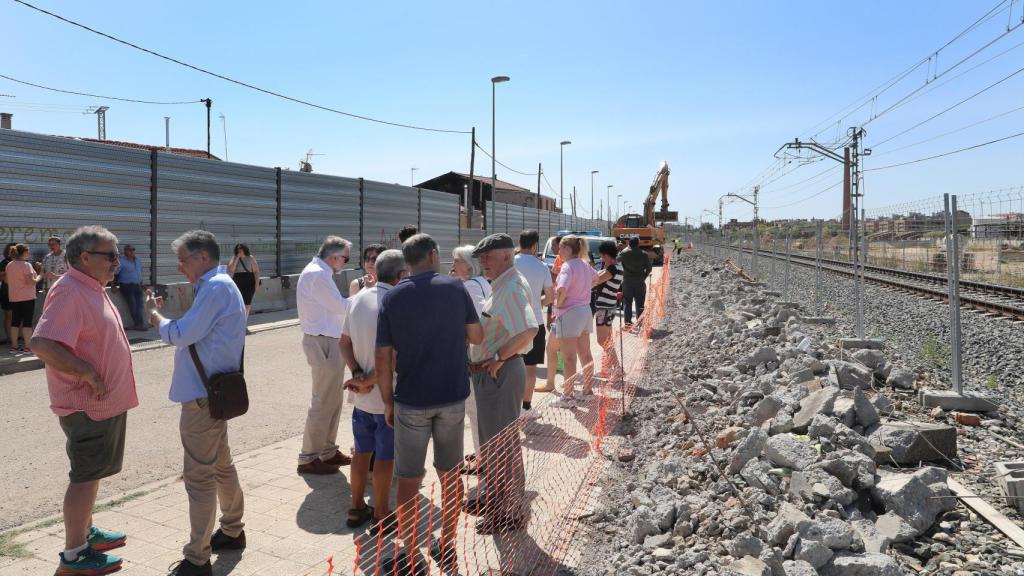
181,151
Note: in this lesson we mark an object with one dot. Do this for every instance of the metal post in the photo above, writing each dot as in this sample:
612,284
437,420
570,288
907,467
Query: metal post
817,270
774,256
757,240
419,209
209,105
953,265
277,233
471,198
361,218
785,284
153,220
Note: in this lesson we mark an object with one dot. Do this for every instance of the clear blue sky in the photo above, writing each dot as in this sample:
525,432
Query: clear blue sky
714,88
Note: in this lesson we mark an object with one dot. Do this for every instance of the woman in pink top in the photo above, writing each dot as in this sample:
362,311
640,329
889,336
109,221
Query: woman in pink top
21,281
572,321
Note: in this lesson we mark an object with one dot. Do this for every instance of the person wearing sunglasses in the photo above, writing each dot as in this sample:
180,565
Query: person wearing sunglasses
369,279
81,340
322,311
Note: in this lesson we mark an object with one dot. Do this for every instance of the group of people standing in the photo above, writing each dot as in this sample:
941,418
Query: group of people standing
81,339
422,350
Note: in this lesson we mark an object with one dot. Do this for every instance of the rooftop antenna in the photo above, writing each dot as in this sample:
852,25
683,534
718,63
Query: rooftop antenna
305,165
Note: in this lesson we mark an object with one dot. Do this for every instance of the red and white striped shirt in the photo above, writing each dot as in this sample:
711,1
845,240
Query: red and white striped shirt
79,314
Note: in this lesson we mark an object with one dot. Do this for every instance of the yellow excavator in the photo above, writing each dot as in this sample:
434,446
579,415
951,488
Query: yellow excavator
645,226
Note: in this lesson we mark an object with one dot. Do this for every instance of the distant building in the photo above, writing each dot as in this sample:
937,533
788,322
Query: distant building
504,192
999,226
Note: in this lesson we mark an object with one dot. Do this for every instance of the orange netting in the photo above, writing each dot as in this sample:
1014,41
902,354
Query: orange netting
540,478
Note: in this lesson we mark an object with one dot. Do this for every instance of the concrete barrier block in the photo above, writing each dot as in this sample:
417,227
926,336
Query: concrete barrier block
1011,480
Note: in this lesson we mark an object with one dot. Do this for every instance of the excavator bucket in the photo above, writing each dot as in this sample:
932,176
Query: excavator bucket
667,216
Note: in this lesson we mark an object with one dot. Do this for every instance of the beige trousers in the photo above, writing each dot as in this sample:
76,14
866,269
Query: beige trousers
320,439
210,477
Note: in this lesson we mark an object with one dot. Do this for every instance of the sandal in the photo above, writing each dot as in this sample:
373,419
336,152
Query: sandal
359,516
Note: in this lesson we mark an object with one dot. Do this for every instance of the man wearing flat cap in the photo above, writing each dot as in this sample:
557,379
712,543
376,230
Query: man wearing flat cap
499,374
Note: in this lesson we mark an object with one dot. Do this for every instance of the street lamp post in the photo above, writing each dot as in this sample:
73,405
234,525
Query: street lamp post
592,213
561,174
412,176
494,168
618,206
608,200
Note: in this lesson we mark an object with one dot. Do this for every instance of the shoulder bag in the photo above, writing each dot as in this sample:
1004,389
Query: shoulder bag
226,393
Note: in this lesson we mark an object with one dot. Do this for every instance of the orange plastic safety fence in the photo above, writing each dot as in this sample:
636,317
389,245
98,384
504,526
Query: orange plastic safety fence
537,479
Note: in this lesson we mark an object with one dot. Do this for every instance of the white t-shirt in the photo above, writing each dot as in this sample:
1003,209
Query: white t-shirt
538,277
479,289
361,326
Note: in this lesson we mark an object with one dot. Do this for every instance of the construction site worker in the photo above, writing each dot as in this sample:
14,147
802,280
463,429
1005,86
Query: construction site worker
679,246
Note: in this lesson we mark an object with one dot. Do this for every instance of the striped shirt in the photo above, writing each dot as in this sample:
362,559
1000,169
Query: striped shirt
606,292
79,314
506,313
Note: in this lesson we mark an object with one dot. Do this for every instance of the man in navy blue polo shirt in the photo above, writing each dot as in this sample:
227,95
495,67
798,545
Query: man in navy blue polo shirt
423,327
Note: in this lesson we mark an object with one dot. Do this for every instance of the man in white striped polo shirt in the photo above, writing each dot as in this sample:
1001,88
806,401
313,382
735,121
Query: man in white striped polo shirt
499,374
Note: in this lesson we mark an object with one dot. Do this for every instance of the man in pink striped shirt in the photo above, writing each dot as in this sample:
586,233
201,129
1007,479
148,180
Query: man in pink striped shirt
81,340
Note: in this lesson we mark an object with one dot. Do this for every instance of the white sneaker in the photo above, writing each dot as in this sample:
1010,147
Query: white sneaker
531,414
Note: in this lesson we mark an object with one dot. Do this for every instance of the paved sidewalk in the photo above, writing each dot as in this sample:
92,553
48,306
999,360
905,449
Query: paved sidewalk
294,523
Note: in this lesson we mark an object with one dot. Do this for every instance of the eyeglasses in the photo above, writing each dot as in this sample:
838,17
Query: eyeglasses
111,256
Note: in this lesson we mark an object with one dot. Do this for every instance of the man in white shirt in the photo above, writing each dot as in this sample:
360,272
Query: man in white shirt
541,294
372,434
322,311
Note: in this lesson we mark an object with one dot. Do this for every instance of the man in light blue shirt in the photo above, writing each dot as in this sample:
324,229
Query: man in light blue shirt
215,324
129,284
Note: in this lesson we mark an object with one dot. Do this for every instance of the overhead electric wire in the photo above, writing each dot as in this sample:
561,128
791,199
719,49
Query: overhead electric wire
950,153
885,86
936,115
954,131
802,200
238,82
62,91
805,180
917,93
499,162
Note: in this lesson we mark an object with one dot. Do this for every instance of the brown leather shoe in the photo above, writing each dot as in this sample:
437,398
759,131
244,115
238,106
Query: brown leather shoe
338,459
318,467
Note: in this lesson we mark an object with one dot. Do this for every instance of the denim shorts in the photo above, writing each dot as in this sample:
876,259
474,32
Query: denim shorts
573,323
372,434
415,427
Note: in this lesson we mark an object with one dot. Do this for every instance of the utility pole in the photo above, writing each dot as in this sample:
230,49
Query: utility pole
471,203
852,176
756,237
540,170
224,125
209,106
592,213
101,121
167,133
573,201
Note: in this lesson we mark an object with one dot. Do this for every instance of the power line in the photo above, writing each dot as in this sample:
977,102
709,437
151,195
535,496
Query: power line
944,134
505,166
238,82
972,96
917,93
957,151
134,100
815,195
888,84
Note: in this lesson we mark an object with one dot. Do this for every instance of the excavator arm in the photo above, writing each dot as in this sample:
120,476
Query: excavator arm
660,184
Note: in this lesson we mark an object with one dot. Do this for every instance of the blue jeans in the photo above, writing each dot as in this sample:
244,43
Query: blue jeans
133,297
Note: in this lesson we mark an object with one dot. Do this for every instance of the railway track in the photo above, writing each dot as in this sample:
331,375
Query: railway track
991,299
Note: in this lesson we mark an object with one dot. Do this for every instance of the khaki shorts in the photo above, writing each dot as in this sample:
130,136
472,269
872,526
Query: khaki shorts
415,427
95,448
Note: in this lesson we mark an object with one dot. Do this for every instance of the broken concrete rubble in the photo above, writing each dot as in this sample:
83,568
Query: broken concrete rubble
917,497
790,451
916,442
